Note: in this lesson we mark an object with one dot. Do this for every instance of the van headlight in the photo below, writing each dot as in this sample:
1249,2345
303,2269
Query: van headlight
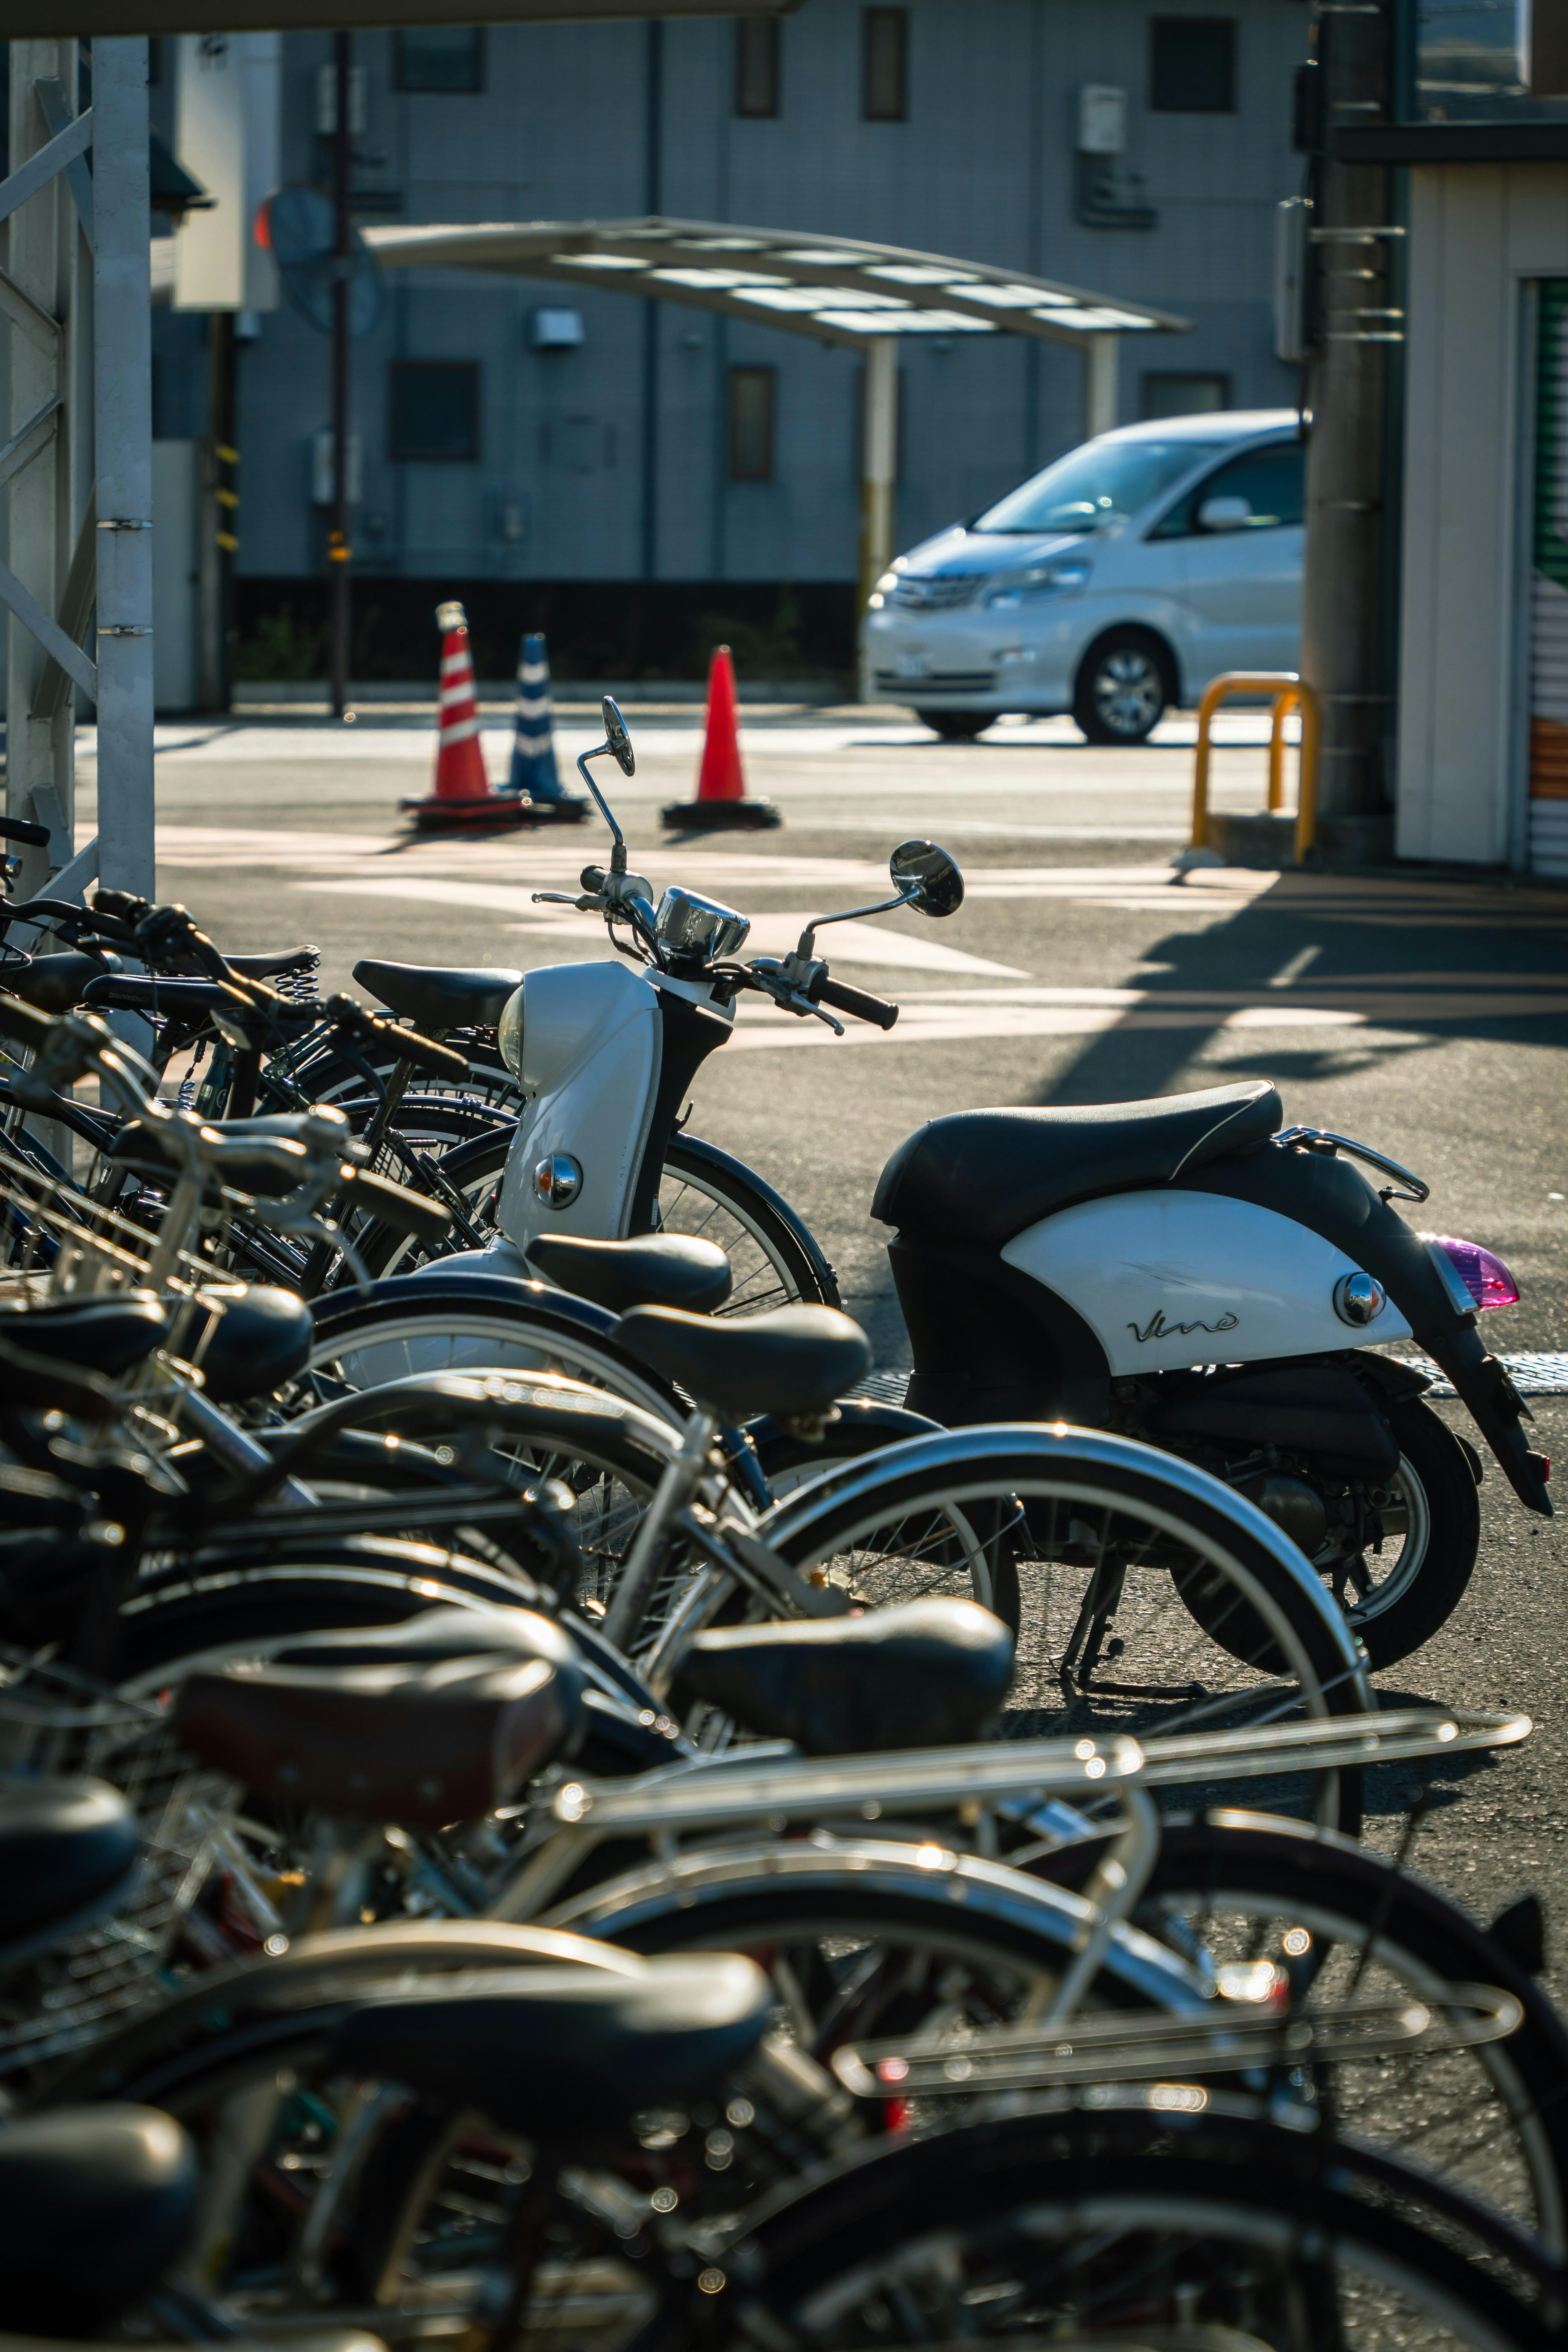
1070,578
508,1032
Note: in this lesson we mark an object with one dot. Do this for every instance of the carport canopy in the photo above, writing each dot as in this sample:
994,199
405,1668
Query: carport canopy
836,289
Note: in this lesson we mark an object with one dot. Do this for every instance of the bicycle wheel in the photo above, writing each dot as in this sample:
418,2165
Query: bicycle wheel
1492,2120
1072,1537
467,1323
773,1261
1156,2218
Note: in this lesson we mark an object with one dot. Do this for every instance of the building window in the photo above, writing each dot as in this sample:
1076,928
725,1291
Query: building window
885,64
757,66
1178,394
1192,64
753,400
439,57
433,412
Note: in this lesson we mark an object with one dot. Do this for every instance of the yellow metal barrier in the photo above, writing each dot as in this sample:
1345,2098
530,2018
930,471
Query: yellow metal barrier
1288,693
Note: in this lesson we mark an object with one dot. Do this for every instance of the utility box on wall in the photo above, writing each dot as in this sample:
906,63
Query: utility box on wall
227,95
176,558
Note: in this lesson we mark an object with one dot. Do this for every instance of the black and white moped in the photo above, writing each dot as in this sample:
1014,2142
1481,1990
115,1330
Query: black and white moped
1189,1271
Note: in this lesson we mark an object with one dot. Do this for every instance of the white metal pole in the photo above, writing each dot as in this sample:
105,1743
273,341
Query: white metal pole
879,478
1099,389
123,403
43,258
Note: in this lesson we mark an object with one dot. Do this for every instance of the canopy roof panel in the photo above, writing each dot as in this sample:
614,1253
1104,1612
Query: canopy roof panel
48,19
835,288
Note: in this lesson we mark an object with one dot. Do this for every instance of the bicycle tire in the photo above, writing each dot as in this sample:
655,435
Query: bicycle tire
835,1527
1250,1866
892,2246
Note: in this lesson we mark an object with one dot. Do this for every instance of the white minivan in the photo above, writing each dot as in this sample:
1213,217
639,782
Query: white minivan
1117,582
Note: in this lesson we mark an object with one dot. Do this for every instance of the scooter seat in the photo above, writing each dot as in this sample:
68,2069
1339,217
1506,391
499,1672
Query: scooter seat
793,1362
984,1175
69,1849
94,2204
656,1270
564,2052
53,983
419,1745
926,1674
438,998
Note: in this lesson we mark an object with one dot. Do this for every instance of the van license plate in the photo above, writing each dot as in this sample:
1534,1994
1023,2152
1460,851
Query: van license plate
913,665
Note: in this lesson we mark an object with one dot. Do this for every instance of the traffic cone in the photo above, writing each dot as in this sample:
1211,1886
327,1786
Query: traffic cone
722,801
462,795
534,770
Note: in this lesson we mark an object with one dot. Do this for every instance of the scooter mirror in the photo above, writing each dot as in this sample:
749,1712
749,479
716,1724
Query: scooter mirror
921,868
619,741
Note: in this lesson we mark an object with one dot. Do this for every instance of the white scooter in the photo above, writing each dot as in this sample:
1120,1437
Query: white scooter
1187,1270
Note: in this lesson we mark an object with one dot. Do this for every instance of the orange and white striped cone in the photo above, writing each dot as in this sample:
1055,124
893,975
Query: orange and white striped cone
462,794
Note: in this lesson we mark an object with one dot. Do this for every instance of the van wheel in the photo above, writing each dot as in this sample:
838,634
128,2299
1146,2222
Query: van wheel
956,726
1125,683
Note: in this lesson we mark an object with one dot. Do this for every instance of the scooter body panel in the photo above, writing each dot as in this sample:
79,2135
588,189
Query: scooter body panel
1167,1278
590,1046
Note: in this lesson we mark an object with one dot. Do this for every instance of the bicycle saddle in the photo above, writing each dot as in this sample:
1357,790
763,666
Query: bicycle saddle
55,983
94,2204
148,992
102,1334
564,2053
926,1674
421,1745
435,1637
150,1149
274,964
258,1339
434,997
70,1851
655,1270
792,1361
986,1174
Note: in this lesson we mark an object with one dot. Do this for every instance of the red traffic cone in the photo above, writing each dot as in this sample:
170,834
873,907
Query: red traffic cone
462,795
722,800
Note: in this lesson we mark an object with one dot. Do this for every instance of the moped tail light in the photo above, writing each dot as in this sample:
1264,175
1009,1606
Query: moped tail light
1481,1271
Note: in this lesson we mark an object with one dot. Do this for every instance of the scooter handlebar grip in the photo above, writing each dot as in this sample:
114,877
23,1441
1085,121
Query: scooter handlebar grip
857,1003
405,1211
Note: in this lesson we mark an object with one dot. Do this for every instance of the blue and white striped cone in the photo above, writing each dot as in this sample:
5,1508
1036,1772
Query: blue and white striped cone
533,769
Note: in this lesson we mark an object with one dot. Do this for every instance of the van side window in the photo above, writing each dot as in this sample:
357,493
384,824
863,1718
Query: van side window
1271,480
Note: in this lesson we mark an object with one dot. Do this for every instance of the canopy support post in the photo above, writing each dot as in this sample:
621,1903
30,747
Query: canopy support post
879,478
1099,387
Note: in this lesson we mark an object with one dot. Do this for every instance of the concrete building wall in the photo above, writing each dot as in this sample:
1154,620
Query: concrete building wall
985,165
1479,235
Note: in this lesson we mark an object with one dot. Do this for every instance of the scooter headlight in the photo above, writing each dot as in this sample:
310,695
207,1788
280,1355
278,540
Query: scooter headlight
508,1032
697,930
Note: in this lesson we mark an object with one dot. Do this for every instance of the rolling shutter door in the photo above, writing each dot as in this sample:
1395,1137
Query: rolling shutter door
1549,592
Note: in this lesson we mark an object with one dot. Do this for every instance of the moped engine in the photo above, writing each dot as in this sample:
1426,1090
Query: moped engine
1293,1505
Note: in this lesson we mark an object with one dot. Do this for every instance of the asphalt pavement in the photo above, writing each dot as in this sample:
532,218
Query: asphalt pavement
1422,1011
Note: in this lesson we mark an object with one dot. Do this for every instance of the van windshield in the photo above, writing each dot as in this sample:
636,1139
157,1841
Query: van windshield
1092,485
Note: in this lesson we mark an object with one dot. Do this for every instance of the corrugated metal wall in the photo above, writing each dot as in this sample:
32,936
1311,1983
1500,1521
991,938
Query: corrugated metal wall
1549,591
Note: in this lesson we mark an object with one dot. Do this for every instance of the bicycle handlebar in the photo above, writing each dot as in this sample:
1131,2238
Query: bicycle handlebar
408,1212
410,1046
